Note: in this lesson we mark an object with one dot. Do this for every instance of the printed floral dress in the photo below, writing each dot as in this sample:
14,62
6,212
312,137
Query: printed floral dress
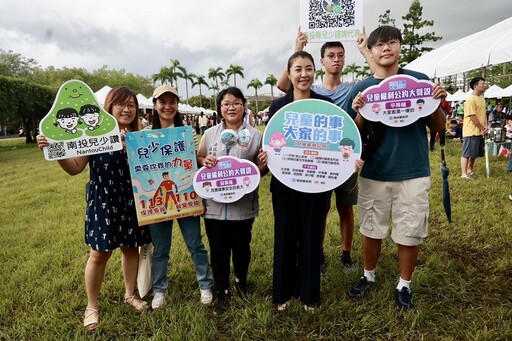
111,219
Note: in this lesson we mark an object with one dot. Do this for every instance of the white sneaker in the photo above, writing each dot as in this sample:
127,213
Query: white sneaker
158,300
206,296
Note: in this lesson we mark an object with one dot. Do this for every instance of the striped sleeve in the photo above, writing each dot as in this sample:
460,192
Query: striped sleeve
196,142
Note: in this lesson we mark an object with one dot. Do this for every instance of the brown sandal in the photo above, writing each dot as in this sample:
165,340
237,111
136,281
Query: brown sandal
91,318
136,303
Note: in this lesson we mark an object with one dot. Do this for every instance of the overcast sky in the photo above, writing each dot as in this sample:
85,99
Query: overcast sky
142,36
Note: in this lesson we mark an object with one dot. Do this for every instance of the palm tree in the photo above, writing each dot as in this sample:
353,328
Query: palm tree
225,83
234,70
187,77
176,71
163,75
344,72
364,72
256,84
199,80
216,74
320,74
352,68
215,88
272,81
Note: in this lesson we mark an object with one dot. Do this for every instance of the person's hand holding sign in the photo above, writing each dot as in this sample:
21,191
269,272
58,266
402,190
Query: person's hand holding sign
210,161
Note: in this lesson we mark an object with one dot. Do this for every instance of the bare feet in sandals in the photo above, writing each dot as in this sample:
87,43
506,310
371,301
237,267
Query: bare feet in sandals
91,318
136,303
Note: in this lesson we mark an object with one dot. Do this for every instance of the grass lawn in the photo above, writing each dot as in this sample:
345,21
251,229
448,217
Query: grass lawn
462,283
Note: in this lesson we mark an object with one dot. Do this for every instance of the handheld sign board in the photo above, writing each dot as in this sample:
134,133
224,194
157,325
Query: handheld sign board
228,181
162,166
399,100
77,125
312,145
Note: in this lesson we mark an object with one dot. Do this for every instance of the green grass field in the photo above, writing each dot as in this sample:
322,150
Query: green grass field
462,283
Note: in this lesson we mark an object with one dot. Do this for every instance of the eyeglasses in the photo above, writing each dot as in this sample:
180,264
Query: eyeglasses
237,105
391,43
120,106
333,56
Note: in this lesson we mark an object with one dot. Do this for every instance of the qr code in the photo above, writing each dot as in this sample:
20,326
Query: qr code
56,150
331,14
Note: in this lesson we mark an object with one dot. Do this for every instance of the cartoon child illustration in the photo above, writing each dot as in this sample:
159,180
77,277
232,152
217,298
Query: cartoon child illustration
207,185
277,141
247,181
166,190
347,147
376,108
68,120
420,102
90,115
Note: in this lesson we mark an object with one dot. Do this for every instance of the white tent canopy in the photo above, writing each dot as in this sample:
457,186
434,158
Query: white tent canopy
101,94
508,91
488,47
495,92
144,103
459,96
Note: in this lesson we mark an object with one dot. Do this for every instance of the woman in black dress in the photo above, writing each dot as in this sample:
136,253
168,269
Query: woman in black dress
110,220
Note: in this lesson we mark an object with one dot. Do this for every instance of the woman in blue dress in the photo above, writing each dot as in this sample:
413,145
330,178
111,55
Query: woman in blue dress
110,220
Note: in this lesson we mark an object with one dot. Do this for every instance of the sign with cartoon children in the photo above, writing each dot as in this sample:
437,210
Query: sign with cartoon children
312,145
77,125
162,166
328,20
399,100
228,181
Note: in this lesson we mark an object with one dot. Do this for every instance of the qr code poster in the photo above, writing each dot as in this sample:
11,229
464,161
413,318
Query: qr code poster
328,20
77,125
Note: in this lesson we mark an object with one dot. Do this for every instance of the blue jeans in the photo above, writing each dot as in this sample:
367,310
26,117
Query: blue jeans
161,234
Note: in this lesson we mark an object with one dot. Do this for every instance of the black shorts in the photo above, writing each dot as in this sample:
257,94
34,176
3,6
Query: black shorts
346,193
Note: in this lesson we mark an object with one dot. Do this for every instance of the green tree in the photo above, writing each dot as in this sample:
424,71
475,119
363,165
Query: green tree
364,72
163,76
385,19
412,41
28,101
15,65
320,73
215,74
234,70
353,69
176,71
256,84
272,81
225,83
187,77
199,81
215,89
197,101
